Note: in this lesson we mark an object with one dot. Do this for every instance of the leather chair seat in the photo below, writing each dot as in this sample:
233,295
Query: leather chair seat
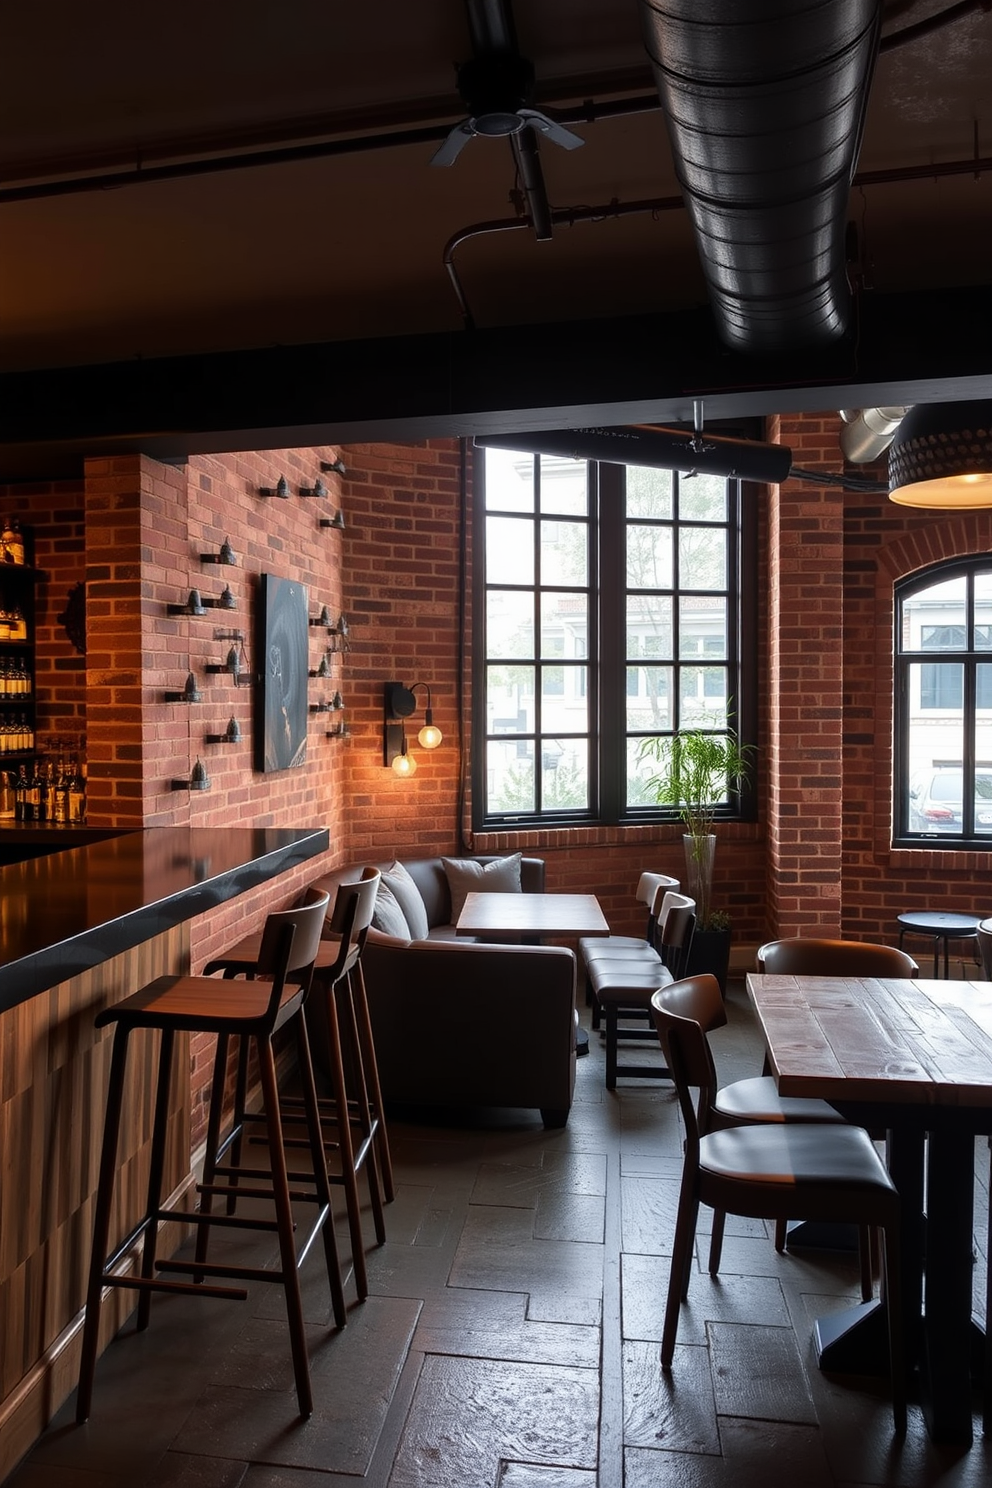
757,1100
785,1158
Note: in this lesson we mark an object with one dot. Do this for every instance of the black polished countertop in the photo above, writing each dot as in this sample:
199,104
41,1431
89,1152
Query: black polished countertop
66,912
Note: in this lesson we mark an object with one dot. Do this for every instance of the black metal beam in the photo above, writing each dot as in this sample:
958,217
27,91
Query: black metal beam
641,369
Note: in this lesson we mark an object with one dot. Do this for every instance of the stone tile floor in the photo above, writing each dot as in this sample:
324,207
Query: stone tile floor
511,1337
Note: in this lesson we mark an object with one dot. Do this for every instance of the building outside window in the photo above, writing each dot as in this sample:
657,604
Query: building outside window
943,704
609,609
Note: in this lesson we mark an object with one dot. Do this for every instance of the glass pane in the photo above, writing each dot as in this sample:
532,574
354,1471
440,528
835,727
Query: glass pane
565,625
509,480
935,739
649,492
649,557
649,626
983,612
649,698
934,619
510,776
703,498
510,699
564,552
702,558
564,704
509,550
509,623
564,486
638,773
983,749
703,629
565,775
702,697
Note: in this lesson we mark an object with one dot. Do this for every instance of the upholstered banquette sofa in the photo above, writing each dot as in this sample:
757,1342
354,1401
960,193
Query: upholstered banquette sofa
460,1022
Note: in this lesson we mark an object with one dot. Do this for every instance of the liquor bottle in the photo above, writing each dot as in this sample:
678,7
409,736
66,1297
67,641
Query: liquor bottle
77,793
33,796
13,538
21,796
60,797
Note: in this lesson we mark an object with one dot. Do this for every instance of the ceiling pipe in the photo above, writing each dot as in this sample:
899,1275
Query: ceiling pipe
765,115
868,432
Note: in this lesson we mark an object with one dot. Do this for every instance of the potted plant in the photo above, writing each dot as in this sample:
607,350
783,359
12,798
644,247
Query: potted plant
697,770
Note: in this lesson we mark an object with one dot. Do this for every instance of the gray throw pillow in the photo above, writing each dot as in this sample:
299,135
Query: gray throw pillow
387,915
409,898
466,876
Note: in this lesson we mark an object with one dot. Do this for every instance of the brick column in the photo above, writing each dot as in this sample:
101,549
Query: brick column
805,668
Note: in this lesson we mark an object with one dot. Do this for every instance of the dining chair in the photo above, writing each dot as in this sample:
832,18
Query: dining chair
766,1171
623,987
651,890
804,955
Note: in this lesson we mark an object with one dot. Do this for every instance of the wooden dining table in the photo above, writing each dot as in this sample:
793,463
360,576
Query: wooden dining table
913,1058
535,916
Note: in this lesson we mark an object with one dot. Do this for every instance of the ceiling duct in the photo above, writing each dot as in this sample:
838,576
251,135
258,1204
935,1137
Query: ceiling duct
765,106
867,432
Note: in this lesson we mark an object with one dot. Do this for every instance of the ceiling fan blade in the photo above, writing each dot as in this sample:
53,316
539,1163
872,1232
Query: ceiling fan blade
450,149
550,129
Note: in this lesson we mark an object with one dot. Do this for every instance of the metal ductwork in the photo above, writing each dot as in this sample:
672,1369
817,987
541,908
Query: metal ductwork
765,105
867,432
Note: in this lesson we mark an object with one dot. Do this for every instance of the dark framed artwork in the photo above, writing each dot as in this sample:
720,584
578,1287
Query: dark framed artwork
282,651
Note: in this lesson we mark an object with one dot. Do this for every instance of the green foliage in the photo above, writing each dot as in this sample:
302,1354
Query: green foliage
697,770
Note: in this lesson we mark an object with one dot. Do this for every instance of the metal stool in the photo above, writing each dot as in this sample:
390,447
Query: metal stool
254,1009
938,926
338,1008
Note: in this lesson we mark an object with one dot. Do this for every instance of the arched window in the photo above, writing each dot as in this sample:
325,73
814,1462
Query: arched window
943,704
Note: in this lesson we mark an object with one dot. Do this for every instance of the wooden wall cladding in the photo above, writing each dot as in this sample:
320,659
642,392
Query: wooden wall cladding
54,1072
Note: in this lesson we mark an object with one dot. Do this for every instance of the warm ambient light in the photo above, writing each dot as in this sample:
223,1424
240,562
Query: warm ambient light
941,457
399,704
404,764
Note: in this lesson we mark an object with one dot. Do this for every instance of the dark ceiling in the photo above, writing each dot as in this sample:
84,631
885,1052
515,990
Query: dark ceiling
306,296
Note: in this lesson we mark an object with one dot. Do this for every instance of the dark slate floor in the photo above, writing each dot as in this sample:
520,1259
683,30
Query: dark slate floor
511,1338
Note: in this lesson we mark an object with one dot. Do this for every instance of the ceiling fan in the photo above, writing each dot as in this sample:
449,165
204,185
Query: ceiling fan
497,87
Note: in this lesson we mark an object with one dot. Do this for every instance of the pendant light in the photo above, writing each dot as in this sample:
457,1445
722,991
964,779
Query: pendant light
941,457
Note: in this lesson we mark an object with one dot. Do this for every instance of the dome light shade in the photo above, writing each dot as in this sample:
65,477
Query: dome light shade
941,457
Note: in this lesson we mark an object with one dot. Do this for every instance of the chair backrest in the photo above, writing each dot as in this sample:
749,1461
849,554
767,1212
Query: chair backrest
350,918
289,945
683,1014
807,956
985,947
676,924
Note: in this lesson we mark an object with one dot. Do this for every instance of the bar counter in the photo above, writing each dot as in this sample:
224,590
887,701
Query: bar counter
81,929
66,912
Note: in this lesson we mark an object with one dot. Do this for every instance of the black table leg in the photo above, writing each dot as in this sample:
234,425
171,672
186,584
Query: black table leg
947,1326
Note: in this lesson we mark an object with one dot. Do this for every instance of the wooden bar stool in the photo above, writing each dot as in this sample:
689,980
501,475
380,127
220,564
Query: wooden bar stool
352,1117
253,1010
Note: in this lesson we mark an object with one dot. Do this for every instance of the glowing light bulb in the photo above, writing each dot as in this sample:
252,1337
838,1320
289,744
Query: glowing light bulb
404,764
430,736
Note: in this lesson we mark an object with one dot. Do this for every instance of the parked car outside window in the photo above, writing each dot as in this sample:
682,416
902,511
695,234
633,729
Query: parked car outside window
935,800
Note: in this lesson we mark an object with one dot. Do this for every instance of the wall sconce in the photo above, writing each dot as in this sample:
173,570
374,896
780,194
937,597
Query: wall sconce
231,663
225,555
323,619
193,606
225,601
324,669
190,693
334,467
337,521
231,735
941,457
236,661
317,489
399,704
281,488
198,780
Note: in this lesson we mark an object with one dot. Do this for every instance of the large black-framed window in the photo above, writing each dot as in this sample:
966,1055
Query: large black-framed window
612,604
942,782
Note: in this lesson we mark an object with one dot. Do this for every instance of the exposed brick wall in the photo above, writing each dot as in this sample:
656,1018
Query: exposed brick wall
805,780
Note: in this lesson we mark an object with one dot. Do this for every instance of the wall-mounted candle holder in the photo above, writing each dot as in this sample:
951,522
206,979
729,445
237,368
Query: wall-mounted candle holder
281,488
323,620
224,601
194,605
190,693
324,668
198,780
225,555
317,489
337,521
231,735
334,467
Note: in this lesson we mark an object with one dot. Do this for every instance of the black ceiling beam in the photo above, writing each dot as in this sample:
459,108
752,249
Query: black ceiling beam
926,347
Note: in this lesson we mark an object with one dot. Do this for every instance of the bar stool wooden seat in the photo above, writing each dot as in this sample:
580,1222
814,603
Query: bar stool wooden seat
252,1010
352,1117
